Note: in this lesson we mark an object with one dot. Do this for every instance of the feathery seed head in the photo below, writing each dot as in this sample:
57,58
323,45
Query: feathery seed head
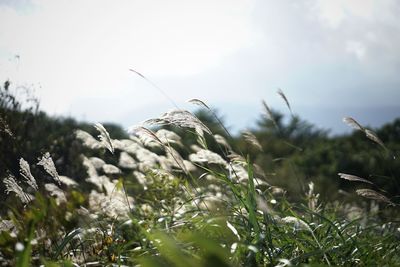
126,161
47,163
353,123
180,118
198,102
281,94
110,169
371,135
12,186
88,140
146,136
353,178
25,172
104,137
56,192
252,140
207,156
222,141
298,223
168,137
372,194
269,115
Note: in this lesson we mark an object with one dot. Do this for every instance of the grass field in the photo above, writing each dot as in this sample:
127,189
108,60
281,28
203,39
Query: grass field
150,200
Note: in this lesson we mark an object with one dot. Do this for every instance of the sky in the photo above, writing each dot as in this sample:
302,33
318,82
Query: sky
332,58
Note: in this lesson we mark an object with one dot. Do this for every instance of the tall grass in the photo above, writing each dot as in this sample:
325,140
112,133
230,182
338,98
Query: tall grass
155,206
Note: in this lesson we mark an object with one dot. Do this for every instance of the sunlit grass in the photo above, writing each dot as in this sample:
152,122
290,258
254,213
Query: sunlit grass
158,208
175,193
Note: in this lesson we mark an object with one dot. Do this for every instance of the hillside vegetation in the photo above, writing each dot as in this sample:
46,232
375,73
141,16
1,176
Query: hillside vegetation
180,190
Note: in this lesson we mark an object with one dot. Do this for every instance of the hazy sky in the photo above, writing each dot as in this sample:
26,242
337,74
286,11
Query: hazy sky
332,58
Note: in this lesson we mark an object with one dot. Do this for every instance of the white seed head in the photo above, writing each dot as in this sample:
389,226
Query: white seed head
47,163
252,140
353,178
12,186
180,118
104,137
207,156
25,172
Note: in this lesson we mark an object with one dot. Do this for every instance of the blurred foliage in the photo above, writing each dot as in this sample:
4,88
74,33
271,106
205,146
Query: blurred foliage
294,151
179,219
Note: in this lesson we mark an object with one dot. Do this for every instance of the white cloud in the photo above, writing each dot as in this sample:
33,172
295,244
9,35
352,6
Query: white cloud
228,52
88,46
356,48
334,12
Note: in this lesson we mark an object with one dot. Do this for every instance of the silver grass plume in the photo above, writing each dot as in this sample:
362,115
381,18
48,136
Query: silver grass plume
353,123
90,168
281,94
145,134
238,171
372,194
126,161
110,169
47,163
207,156
298,223
269,115
222,141
141,178
353,178
252,140
88,140
97,162
371,135
284,263
236,158
374,137
181,118
140,130
68,181
104,137
56,192
6,225
168,137
233,229
12,186
171,152
147,159
25,172
177,158
198,102
312,198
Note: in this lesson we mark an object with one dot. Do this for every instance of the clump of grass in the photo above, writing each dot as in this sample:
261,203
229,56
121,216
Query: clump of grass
152,205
